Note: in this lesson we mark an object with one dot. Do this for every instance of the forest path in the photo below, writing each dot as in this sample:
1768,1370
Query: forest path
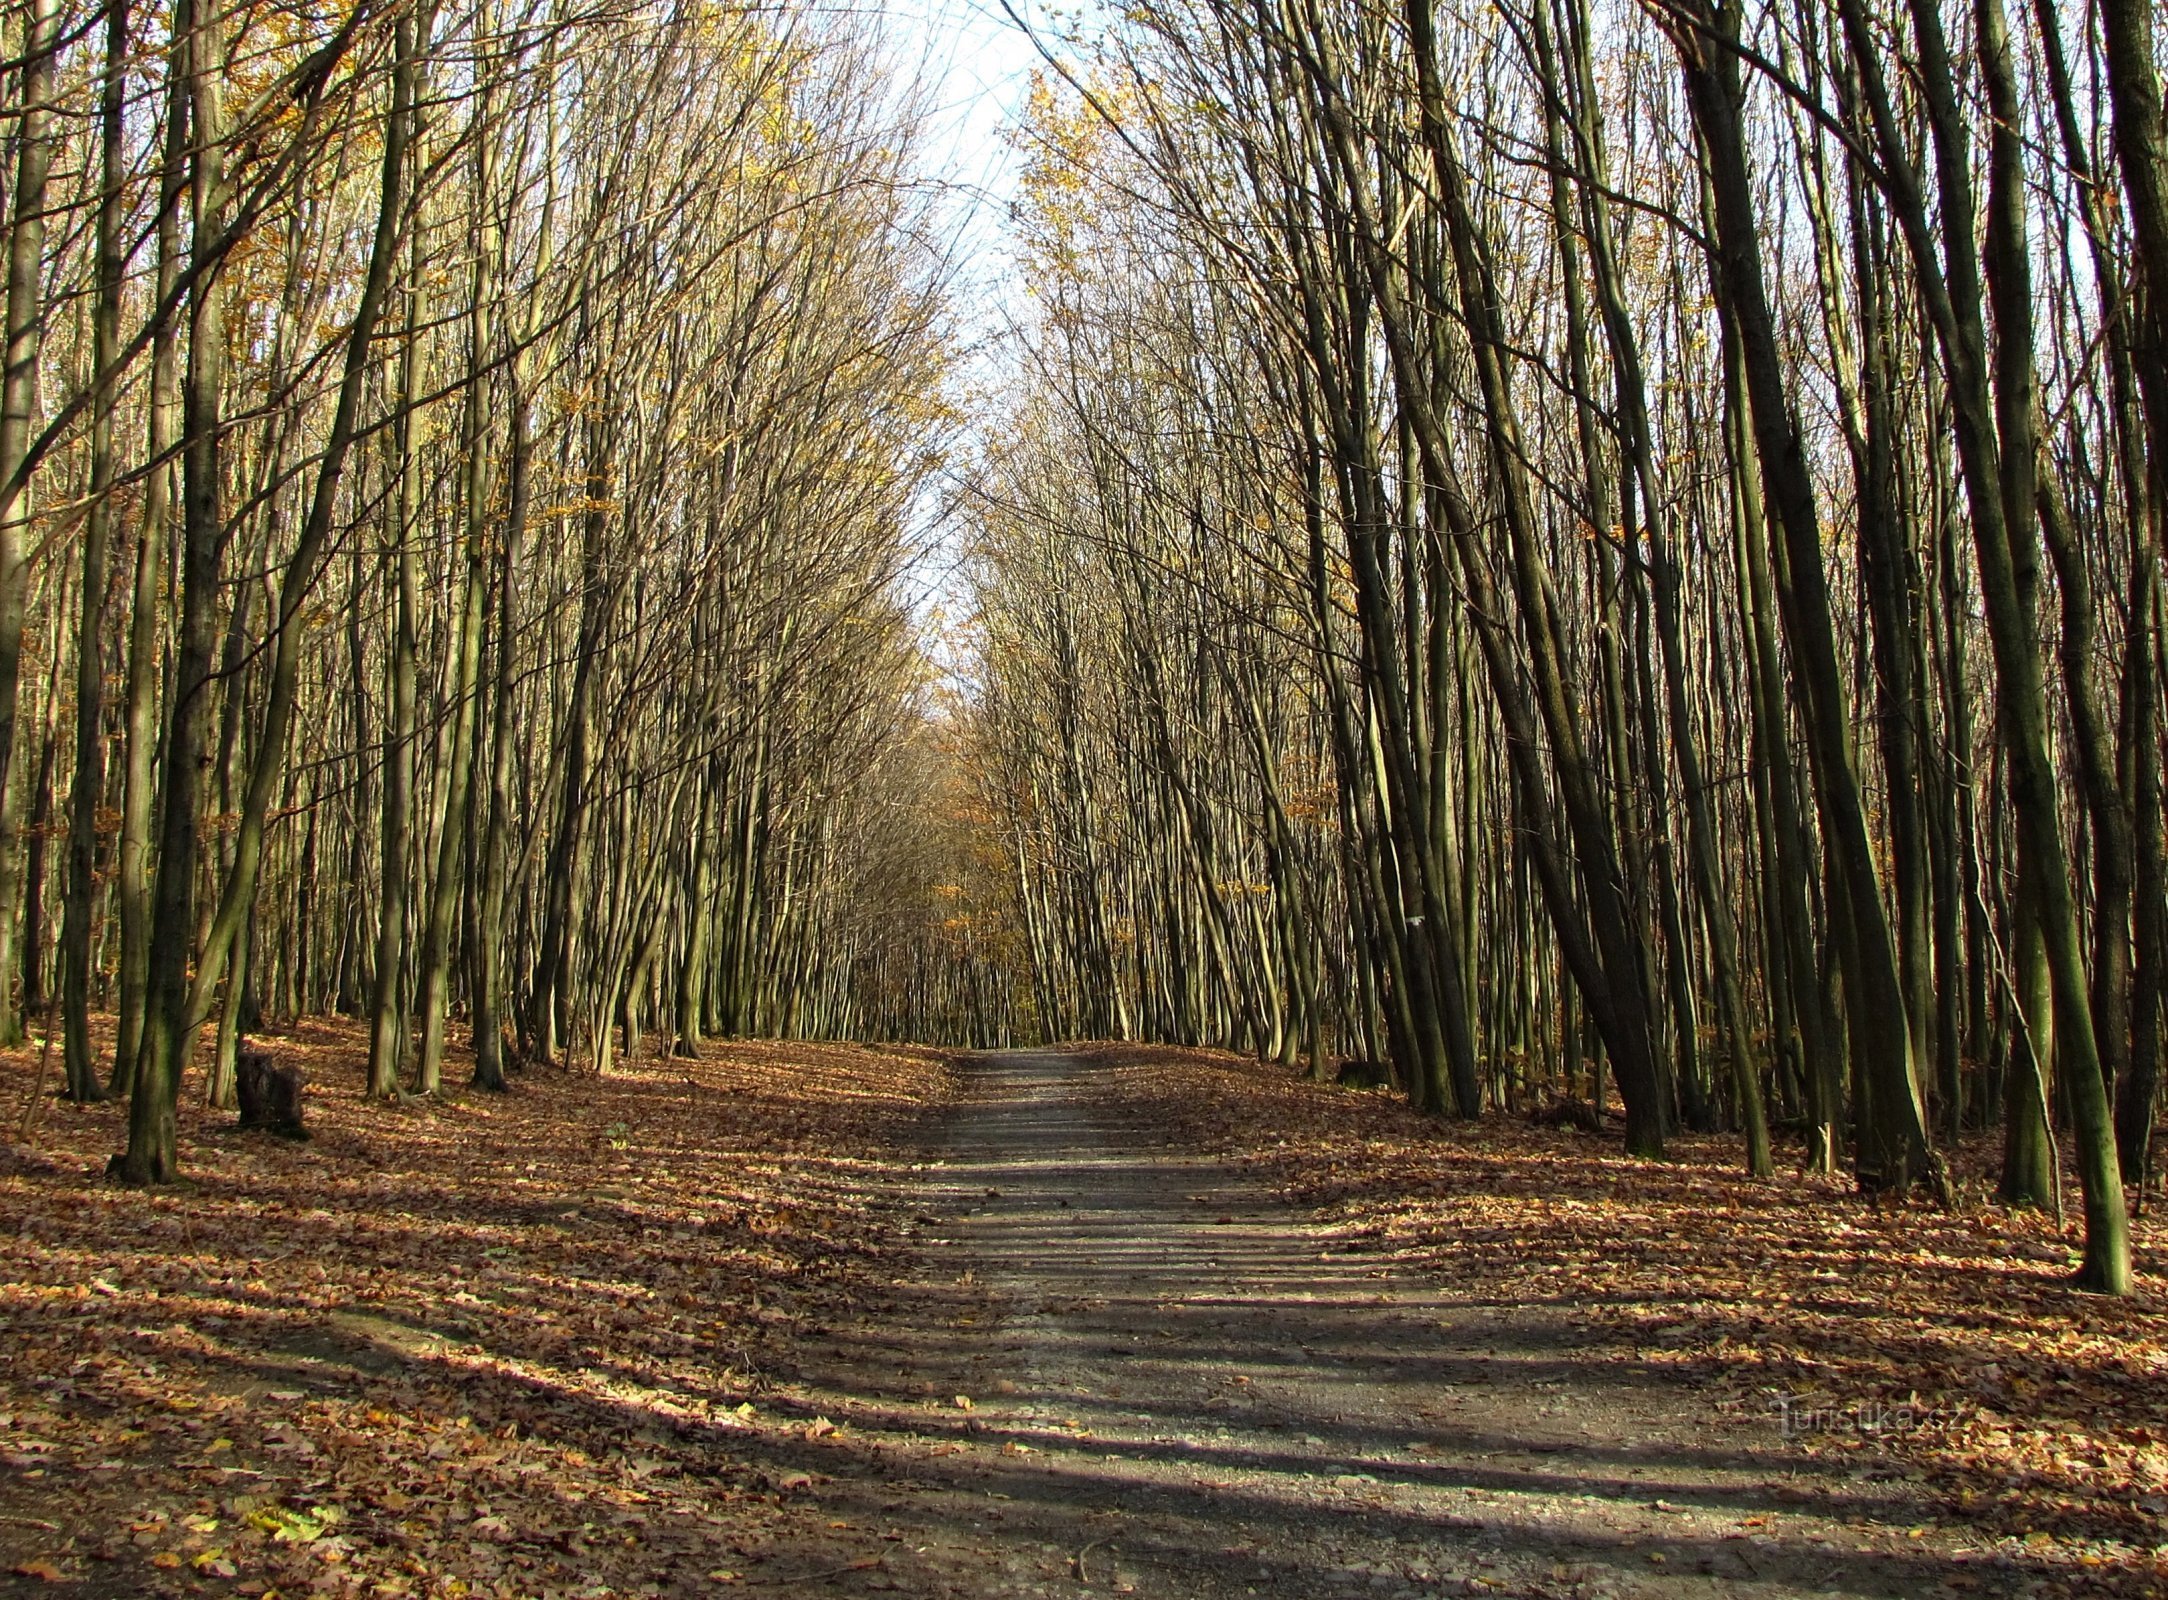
1176,1389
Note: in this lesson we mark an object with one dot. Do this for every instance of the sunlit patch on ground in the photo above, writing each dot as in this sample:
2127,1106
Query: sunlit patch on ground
1907,1339
495,1345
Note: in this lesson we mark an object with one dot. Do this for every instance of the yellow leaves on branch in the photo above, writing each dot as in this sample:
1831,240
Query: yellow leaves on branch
1066,139
584,507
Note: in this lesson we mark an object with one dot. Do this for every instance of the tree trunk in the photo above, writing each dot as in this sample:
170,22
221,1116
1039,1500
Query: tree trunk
88,787
151,1156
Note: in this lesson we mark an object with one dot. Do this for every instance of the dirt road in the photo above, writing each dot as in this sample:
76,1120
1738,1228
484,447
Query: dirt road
1129,1370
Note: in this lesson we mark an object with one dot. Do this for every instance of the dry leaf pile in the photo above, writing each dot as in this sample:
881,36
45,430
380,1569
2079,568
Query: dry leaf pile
1943,1344
482,1345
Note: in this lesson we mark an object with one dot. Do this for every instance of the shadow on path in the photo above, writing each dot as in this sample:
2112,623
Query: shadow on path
1129,1369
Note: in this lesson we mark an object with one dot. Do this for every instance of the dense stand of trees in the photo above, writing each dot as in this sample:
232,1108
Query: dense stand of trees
1560,546
457,474
1556,541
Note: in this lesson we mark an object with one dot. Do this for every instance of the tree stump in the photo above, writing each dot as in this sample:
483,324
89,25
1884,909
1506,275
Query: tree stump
1567,1112
270,1094
1356,1073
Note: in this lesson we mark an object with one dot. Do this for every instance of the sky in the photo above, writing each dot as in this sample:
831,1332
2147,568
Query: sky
977,66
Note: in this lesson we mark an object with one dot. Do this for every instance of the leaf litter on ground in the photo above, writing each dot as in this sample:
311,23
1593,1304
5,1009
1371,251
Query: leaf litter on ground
1897,1339
477,1345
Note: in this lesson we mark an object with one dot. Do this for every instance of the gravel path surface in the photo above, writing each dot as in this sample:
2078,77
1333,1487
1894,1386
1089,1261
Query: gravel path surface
1130,1369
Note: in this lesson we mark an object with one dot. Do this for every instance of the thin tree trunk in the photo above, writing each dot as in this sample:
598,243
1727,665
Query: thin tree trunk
1892,1132
237,900
140,721
489,956
33,139
388,1033
88,787
151,1157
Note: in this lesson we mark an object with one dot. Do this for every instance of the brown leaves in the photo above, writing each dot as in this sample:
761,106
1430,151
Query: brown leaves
1905,1339
481,1346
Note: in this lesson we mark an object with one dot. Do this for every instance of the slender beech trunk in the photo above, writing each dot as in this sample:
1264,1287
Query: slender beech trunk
140,719
496,840
1891,1133
446,886
151,1157
2141,149
388,1033
2140,1088
2126,964
88,788
237,899
33,139
549,1016
1992,406
1631,410
1628,1028
699,890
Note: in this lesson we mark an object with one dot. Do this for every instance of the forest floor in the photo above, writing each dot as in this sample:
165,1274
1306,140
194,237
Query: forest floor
828,1320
